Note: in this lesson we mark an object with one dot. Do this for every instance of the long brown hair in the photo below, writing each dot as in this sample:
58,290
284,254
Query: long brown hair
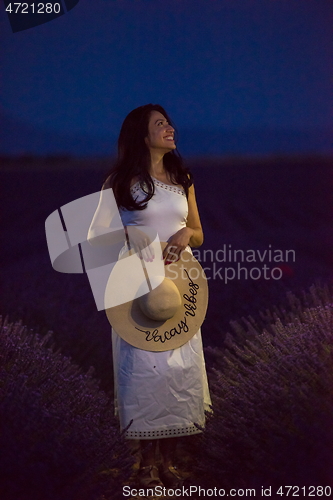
134,160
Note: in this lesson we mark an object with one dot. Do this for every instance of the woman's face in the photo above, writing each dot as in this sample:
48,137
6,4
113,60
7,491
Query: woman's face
160,133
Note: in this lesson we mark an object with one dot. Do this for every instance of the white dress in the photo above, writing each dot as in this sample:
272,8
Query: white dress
165,393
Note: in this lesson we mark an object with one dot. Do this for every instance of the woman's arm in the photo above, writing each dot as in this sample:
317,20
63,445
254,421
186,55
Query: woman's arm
193,220
107,228
106,213
190,235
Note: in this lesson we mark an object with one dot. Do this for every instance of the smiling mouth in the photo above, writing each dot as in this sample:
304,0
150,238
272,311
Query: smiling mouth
169,138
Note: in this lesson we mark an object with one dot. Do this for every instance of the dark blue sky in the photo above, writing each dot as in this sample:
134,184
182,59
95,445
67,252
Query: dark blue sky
231,64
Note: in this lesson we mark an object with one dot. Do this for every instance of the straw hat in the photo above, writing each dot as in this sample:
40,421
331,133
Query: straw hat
169,314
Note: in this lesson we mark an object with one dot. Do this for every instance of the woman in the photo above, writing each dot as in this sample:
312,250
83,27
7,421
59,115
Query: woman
162,393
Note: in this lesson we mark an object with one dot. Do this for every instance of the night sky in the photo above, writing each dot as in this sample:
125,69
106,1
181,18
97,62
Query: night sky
234,65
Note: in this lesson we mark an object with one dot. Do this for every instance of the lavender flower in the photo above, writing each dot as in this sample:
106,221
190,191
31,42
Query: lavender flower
273,400
58,436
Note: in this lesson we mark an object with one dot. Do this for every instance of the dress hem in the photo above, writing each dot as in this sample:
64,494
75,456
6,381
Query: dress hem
163,433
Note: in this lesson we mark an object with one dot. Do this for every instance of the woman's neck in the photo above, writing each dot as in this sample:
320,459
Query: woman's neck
156,166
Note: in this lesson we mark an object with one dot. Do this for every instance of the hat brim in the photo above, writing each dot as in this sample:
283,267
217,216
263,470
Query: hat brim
133,326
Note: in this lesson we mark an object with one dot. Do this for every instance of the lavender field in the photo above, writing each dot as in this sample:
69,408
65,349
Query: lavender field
272,391
254,205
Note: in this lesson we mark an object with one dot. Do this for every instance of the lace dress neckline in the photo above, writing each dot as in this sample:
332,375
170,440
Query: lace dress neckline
164,185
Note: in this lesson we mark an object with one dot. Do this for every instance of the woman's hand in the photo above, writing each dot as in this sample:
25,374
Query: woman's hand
140,242
176,244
